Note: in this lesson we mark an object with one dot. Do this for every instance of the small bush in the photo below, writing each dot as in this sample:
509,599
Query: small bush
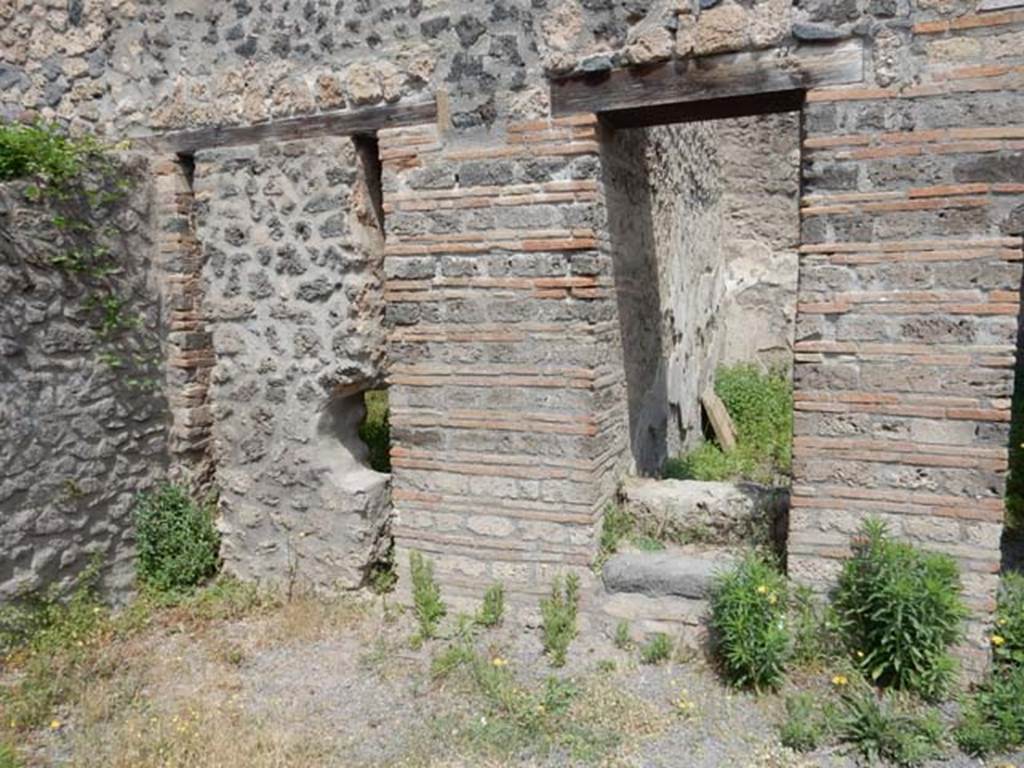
493,608
992,719
748,617
426,595
1008,635
807,723
42,150
901,610
558,618
375,430
176,540
883,728
656,650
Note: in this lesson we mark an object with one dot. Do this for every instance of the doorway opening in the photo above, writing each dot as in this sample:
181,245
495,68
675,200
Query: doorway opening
705,230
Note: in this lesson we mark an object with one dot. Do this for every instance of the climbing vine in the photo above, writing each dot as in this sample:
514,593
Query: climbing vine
84,189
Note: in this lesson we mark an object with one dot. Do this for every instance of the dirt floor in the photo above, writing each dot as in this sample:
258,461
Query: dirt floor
312,683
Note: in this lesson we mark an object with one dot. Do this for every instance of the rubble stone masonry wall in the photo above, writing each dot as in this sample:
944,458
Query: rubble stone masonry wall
83,416
507,357
292,301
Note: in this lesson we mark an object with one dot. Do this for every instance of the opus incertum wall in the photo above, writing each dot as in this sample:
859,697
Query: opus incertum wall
505,346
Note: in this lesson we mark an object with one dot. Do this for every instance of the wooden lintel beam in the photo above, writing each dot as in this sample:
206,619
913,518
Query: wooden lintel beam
709,78
350,122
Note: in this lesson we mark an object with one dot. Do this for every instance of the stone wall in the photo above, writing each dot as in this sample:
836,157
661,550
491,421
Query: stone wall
909,299
760,178
506,405
83,417
128,66
704,232
292,284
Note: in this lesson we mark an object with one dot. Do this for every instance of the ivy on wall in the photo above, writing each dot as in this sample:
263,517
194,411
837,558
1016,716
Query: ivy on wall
83,188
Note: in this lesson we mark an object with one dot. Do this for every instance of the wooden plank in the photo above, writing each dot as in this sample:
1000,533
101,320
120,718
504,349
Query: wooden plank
706,78
721,421
349,122
714,109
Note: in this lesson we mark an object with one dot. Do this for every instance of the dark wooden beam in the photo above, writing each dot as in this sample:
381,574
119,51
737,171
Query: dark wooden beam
351,122
710,78
711,109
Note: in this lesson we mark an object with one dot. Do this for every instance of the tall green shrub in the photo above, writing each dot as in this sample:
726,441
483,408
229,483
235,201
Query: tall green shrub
748,618
900,609
176,540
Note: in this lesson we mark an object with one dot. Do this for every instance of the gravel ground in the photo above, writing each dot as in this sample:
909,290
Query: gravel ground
353,687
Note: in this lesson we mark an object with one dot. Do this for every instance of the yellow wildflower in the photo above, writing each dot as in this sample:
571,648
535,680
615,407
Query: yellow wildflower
998,640
1001,622
54,725
839,680
773,599
499,662
762,589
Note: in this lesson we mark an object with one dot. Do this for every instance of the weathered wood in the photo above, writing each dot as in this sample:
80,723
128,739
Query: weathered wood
721,421
705,78
712,109
350,122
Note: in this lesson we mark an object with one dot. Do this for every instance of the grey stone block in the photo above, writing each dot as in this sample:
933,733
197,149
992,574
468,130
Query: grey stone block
744,514
663,573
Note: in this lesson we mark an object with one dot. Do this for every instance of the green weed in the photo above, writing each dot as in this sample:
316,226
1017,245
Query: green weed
748,618
426,596
900,609
8,757
889,728
761,406
492,610
375,431
657,649
622,639
177,543
808,722
558,618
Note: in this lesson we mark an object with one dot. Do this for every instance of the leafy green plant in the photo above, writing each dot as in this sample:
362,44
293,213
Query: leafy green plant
8,757
882,727
900,609
808,722
761,406
43,150
1008,634
492,610
622,639
657,649
992,716
426,595
814,628
49,637
375,431
616,525
383,574
749,622
177,543
558,618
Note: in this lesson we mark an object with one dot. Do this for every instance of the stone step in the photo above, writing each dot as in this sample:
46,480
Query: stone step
692,511
672,573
